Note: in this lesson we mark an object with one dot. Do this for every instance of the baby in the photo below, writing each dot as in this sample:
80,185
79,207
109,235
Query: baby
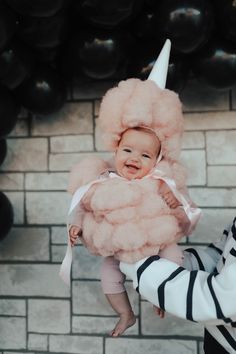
136,156
141,208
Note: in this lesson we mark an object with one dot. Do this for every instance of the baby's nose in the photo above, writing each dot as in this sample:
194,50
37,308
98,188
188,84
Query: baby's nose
134,159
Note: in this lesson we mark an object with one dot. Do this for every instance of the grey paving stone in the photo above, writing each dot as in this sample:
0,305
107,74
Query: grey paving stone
64,162
193,140
98,325
58,253
73,118
32,280
46,181
47,207
99,143
26,155
59,234
26,244
13,333
38,342
71,143
71,344
195,163
12,307
151,346
49,316
214,197
221,176
221,147
210,121
11,181
87,298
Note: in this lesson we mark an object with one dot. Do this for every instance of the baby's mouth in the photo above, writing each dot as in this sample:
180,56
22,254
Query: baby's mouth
132,167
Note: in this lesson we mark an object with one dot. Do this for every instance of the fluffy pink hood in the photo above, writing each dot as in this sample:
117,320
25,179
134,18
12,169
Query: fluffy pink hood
142,103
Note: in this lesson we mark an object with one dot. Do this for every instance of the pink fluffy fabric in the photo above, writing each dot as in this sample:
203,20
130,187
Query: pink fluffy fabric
127,219
136,103
85,171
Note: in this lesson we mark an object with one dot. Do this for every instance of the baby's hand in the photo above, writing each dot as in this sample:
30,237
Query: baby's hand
74,233
170,200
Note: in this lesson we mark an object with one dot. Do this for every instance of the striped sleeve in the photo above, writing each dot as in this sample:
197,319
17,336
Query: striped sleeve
194,295
205,259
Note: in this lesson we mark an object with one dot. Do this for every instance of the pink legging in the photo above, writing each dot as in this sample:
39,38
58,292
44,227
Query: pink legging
112,279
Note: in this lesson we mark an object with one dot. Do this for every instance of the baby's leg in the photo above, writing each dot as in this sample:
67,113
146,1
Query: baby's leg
121,305
113,287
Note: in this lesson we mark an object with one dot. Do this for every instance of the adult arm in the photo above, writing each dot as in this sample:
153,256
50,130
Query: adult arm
205,259
196,295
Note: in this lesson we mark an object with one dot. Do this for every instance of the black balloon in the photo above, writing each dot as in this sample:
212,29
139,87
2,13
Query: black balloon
7,24
144,26
44,92
95,54
177,73
3,150
43,32
7,216
151,4
106,13
188,24
142,59
9,111
216,64
16,64
226,16
39,8
47,55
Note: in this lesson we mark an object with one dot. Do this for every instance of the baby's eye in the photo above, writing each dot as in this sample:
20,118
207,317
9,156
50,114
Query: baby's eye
127,150
146,156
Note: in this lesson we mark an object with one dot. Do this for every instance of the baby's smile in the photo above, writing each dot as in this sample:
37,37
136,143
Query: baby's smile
132,167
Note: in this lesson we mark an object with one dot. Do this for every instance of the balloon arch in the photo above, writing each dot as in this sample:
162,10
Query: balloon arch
44,45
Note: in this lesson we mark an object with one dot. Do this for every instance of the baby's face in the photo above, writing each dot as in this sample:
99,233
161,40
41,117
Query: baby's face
137,153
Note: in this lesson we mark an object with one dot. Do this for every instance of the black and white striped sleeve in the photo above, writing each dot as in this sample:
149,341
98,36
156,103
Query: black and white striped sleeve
205,259
194,295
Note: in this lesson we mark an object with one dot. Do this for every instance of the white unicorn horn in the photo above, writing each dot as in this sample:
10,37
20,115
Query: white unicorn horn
160,68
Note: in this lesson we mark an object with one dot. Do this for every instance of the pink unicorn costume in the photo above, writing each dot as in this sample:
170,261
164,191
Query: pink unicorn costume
128,219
